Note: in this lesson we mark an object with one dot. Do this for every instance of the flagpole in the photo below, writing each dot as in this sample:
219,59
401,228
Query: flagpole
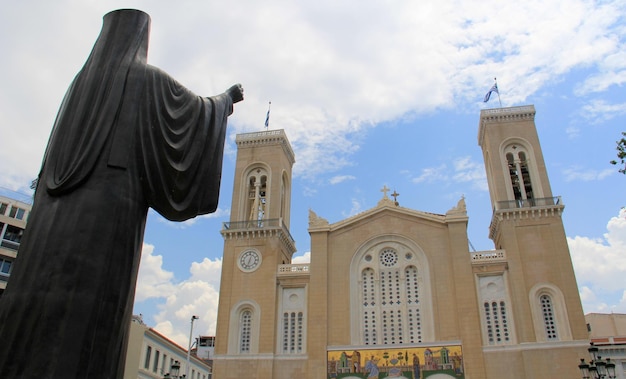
498,92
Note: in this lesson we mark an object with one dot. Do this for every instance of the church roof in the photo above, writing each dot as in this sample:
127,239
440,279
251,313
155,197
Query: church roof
455,214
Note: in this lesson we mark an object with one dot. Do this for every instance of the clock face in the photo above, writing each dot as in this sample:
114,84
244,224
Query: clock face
249,260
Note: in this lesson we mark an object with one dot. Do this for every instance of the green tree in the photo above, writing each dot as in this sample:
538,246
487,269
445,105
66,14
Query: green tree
621,153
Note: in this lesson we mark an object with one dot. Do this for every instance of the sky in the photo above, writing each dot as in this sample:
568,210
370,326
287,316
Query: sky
369,93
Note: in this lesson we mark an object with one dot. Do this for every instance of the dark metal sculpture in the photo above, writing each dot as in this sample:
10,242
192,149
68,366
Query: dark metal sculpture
127,137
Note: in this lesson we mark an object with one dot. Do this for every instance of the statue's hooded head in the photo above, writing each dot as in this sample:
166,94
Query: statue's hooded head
125,34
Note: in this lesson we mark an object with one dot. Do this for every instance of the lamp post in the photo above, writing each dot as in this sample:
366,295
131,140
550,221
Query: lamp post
597,368
193,318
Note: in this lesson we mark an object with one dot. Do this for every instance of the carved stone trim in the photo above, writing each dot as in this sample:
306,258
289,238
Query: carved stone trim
515,214
266,138
263,233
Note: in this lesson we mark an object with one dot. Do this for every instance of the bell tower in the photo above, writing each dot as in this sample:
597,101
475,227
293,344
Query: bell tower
256,242
526,226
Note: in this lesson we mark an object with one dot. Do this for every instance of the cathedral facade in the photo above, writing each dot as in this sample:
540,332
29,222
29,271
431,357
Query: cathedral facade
396,292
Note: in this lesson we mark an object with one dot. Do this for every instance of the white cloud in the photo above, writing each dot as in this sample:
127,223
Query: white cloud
600,266
355,209
304,258
330,74
152,281
463,170
572,132
196,295
468,171
600,110
432,174
341,178
576,173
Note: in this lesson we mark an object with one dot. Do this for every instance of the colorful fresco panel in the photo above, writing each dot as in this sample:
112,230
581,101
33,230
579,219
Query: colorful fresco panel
438,362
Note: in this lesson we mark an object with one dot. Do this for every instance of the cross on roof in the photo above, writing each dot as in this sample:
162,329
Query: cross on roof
385,190
395,195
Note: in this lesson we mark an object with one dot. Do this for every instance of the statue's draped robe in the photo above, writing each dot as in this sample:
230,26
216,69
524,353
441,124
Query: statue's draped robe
127,137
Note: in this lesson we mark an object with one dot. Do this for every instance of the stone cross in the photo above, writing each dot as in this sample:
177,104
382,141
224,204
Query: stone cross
384,191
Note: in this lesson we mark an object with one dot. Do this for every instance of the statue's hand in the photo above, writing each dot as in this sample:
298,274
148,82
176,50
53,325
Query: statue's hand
235,92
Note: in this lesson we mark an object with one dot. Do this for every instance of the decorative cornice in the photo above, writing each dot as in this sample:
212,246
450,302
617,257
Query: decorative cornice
267,138
262,233
316,221
387,207
499,115
514,214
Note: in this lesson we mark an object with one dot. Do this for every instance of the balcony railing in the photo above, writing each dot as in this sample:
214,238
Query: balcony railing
527,203
293,269
11,245
258,224
488,256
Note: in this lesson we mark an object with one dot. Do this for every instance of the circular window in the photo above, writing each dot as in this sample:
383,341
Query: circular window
368,258
388,257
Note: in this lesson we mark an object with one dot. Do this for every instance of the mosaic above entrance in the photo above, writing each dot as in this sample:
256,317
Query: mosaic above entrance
433,362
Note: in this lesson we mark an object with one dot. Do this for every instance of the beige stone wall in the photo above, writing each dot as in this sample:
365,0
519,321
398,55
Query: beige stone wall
606,325
536,361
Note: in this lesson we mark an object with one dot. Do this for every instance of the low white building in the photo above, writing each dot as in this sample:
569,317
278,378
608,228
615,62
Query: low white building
152,355
13,218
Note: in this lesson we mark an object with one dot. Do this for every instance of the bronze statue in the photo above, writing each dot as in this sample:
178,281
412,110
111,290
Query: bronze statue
127,137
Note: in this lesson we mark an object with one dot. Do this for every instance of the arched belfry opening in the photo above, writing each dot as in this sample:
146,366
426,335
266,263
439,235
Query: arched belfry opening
519,169
285,197
257,191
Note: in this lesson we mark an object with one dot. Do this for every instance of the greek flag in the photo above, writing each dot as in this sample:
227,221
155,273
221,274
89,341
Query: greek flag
493,89
267,118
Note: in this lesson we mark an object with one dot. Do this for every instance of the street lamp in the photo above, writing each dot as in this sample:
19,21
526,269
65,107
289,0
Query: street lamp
193,318
174,371
597,368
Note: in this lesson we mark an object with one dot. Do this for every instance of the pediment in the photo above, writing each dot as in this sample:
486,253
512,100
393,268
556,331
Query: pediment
387,208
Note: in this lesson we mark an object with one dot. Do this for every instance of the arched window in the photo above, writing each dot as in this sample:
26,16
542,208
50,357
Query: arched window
549,313
390,294
496,322
390,299
244,323
291,336
245,330
549,319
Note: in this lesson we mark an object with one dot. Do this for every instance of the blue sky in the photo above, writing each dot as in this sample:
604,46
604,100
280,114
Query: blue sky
369,94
